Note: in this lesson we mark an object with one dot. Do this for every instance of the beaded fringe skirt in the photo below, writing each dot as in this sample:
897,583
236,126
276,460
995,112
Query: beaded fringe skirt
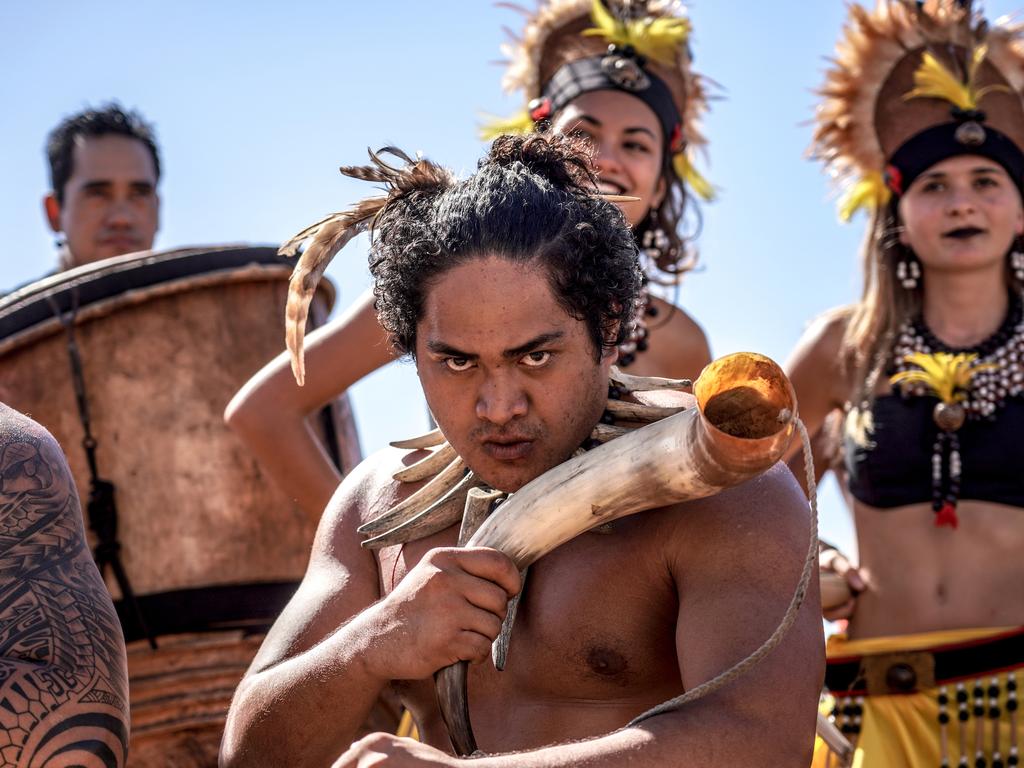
955,713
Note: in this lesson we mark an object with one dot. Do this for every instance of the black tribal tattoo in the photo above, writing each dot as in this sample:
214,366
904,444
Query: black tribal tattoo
63,680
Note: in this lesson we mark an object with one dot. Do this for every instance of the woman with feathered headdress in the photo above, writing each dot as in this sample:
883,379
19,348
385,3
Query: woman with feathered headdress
922,120
617,72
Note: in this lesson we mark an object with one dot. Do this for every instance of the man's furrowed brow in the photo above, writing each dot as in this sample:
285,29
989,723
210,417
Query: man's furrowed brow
532,344
440,348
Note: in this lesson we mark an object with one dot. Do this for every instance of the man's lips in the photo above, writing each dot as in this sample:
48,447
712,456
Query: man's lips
963,233
123,243
506,449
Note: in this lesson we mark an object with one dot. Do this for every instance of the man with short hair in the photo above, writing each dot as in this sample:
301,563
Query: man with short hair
510,290
104,170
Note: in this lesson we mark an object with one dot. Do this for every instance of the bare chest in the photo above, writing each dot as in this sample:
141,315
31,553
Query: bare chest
595,629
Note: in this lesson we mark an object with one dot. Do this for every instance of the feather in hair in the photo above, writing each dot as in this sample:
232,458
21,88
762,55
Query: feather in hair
331,234
934,80
656,38
328,236
686,171
870,193
519,124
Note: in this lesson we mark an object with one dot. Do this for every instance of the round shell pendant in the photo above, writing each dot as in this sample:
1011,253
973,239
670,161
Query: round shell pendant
949,416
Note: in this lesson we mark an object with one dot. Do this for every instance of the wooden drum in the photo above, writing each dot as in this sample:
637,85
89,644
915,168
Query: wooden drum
211,548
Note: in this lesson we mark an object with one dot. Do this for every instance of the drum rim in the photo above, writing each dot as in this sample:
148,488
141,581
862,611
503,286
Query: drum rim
28,314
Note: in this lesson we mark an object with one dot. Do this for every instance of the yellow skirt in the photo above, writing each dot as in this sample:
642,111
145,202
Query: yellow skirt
959,723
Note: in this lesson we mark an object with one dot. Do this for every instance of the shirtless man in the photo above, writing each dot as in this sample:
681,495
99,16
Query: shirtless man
104,169
63,682
513,323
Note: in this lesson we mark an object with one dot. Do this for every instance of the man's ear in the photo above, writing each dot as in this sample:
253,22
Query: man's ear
52,210
610,350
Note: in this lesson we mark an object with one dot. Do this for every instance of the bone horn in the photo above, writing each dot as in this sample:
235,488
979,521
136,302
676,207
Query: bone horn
450,682
740,427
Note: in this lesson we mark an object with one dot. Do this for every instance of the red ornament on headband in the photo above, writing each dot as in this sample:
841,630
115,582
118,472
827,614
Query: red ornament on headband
894,179
540,109
675,142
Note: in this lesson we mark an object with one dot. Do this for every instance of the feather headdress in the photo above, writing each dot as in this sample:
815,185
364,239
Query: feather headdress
329,235
902,70
560,32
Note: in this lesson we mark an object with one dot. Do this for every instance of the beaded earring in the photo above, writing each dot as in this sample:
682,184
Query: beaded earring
655,241
1017,260
908,272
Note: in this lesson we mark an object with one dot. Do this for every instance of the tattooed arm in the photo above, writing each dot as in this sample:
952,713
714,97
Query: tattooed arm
63,677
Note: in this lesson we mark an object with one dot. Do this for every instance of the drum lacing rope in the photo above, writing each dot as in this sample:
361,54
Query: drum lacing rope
788,618
101,508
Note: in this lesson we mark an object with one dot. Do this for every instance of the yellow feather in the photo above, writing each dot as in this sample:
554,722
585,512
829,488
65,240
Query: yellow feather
911,377
977,56
519,124
870,192
659,39
693,178
933,80
604,23
947,375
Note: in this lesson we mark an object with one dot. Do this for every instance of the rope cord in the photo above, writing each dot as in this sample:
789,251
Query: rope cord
810,561
101,506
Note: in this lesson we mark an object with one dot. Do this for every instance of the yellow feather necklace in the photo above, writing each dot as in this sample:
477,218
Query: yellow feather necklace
968,383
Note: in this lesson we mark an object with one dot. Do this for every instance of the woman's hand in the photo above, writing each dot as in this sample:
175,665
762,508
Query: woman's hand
841,583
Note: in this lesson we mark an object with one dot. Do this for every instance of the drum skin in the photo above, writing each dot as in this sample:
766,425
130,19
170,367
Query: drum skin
210,545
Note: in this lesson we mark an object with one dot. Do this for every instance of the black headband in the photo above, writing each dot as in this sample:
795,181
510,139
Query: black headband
621,69
967,136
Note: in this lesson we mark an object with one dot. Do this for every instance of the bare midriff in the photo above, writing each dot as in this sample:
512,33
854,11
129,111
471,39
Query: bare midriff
923,578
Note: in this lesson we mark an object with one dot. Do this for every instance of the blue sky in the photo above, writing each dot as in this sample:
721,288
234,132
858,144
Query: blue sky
256,104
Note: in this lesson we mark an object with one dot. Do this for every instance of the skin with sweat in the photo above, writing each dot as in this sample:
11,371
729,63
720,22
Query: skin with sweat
609,626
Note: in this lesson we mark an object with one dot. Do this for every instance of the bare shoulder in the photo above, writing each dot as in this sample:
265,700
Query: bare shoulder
57,621
366,492
677,341
765,517
342,577
35,478
816,368
821,343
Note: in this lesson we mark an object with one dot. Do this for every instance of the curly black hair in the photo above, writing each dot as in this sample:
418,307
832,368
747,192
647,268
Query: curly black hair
531,201
110,119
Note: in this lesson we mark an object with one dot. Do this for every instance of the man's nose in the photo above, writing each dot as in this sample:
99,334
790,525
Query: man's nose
501,398
120,214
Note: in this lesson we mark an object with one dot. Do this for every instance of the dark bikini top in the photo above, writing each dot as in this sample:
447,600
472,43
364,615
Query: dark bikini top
895,469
